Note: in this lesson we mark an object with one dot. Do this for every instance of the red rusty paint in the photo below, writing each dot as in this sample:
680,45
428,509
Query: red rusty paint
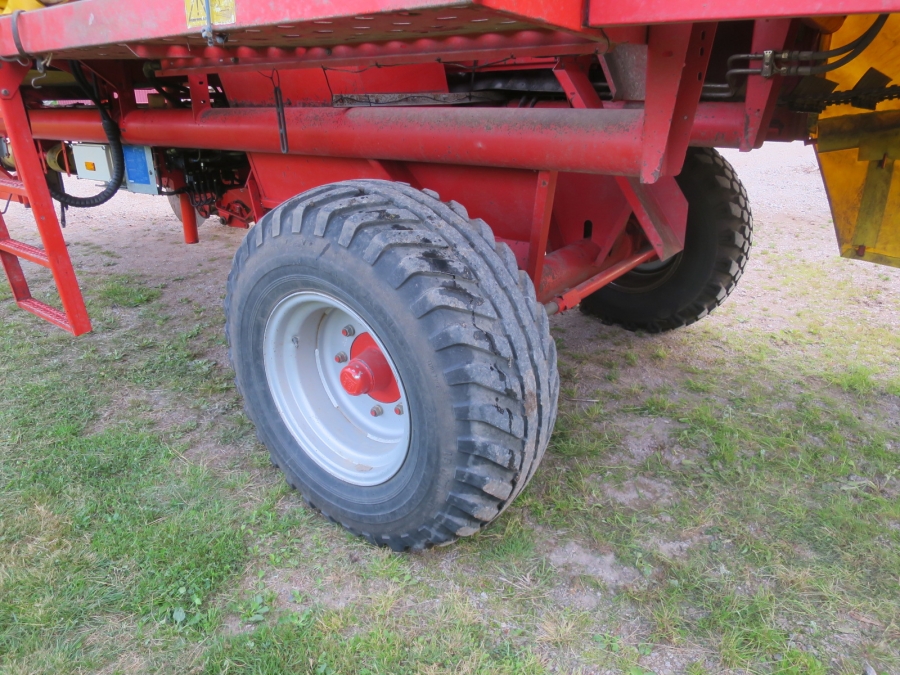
589,141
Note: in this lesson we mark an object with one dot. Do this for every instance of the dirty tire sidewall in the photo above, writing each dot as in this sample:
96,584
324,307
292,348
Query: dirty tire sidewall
475,361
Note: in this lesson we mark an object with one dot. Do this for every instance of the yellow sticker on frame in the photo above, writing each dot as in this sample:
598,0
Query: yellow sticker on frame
223,12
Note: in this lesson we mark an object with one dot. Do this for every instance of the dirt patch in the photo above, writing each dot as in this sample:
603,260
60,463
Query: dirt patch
578,560
676,550
641,438
639,493
576,598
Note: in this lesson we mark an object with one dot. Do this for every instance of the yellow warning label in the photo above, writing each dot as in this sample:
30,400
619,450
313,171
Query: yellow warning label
223,12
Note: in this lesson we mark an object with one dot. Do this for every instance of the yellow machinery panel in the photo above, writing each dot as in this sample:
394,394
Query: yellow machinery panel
857,150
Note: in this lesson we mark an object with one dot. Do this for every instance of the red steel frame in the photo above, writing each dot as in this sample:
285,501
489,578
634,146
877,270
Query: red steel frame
541,176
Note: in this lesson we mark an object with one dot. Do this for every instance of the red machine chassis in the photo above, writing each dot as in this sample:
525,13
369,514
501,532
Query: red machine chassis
582,189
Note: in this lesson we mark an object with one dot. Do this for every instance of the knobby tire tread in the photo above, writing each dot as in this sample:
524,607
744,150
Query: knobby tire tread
488,316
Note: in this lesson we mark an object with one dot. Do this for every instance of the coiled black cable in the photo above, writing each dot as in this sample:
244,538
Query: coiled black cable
113,135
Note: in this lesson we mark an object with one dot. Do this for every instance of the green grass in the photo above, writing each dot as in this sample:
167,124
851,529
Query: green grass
721,499
125,291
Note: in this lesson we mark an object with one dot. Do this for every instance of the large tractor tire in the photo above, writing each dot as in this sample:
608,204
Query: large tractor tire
394,360
660,296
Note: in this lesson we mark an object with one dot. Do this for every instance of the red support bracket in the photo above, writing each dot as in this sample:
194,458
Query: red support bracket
188,219
175,181
540,224
762,92
575,295
199,85
116,75
661,209
572,74
256,204
677,58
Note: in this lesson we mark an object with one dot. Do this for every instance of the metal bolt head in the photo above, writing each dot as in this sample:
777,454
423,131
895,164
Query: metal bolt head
5,92
340,357
398,409
348,331
295,341
376,410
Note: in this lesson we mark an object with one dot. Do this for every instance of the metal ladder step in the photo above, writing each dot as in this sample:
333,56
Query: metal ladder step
55,316
25,251
10,187
30,185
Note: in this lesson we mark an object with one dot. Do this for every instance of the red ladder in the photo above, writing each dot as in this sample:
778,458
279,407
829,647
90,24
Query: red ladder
32,185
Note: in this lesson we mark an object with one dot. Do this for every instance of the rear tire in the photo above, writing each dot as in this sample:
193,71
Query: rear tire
459,323
657,296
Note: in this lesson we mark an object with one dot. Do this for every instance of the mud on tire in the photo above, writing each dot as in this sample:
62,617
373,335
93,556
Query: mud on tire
470,344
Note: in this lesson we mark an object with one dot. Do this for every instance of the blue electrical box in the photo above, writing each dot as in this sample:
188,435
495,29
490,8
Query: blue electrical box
140,172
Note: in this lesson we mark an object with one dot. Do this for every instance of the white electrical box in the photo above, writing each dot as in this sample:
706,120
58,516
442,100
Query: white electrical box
92,161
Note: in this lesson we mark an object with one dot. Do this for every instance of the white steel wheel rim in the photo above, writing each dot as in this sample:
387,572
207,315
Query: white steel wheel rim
336,429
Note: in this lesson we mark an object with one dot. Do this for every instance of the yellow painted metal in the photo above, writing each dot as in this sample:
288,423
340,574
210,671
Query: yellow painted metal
858,148
10,6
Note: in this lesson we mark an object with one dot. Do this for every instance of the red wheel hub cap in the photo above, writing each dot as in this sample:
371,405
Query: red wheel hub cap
368,372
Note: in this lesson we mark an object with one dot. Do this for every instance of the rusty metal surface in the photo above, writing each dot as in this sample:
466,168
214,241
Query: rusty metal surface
590,141
626,71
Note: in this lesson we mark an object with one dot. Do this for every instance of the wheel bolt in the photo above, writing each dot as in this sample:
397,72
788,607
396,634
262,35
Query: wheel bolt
296,341
398,409
340,357
376,410
348,331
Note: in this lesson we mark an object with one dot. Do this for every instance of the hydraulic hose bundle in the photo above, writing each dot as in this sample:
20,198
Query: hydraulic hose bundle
791,63
113,135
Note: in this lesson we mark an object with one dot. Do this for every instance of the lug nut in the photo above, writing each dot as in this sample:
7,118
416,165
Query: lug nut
376,411
348,331
398,409
340,357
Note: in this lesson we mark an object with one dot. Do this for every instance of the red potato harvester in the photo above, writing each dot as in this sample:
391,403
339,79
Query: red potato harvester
424,182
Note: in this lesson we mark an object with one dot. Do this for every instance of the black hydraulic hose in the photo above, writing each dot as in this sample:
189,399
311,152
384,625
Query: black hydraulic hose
160,89
113,135
851,50
864,41
866,37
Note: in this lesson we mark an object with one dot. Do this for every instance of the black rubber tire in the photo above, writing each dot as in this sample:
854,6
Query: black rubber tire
697,280
175,203
470,342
